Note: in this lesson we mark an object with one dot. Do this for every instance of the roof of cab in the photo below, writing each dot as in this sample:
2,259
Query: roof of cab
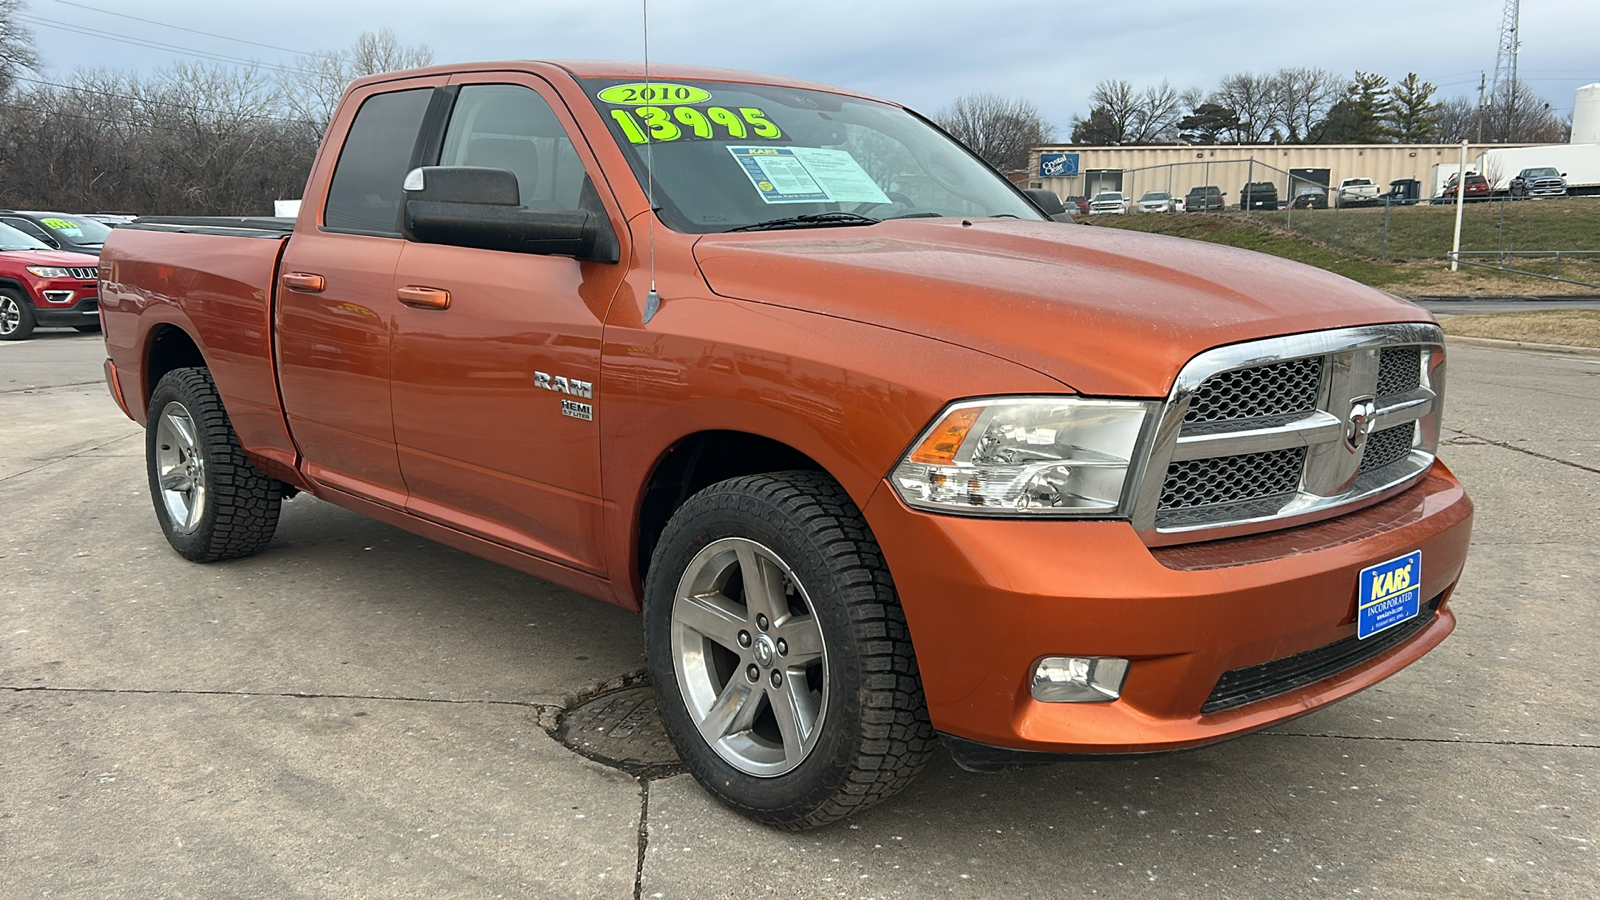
601,68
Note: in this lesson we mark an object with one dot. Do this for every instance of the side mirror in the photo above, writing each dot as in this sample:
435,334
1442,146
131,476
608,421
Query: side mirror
1046,200
468,206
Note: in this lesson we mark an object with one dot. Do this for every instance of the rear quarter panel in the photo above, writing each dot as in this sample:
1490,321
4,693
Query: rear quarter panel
217,289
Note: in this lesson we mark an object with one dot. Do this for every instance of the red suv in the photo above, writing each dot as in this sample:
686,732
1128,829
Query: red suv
41,286
1477,188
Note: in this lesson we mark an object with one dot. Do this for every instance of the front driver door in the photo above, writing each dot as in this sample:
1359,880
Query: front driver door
495,394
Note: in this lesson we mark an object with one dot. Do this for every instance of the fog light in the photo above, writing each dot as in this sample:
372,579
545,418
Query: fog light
1079,679
58,296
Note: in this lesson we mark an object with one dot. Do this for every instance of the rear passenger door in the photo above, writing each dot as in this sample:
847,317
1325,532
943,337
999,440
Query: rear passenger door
335,297
496,396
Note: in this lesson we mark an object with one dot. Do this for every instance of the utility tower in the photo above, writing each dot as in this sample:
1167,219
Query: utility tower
1503,95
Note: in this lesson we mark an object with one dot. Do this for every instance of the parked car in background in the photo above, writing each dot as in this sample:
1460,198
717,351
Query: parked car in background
59,231
1259,195
1080,202
43,287
1310,196
112,218
1477,188
1356,192
1157,201
1539,181
1402,192
1201,199
1108,202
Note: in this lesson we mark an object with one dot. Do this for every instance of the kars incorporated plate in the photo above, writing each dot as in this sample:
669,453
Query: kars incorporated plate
1391,593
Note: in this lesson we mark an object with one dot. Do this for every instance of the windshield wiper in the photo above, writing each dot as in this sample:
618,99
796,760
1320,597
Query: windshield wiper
810,220
919,215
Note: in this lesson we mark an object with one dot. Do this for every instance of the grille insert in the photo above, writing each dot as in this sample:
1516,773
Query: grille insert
1399,370
1279,389
1388,446
1232,479
1269,679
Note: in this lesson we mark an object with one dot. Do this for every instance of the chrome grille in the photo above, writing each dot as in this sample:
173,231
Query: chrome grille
87,273
1286,430
1279,389
1387,447
1399,370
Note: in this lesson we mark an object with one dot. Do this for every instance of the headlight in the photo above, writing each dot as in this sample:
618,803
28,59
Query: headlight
49,272
1041,456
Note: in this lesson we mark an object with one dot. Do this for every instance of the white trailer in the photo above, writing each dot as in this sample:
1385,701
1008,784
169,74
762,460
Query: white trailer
1580,163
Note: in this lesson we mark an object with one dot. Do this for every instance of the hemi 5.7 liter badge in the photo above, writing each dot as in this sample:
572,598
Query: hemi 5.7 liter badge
1391,593
577,410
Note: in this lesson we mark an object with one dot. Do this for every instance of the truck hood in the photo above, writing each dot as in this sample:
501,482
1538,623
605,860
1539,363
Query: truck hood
1103,310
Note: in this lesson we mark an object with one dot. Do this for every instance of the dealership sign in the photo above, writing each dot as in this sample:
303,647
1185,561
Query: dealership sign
1058,165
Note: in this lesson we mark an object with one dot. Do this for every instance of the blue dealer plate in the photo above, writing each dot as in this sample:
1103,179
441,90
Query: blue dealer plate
1391,593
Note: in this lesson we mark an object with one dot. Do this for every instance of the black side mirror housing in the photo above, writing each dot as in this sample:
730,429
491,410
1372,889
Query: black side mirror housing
469,206
1048,203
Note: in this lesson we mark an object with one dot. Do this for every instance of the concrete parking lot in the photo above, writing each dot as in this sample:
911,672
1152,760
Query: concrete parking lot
357,712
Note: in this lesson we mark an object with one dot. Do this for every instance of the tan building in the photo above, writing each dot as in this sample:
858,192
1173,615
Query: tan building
1073,171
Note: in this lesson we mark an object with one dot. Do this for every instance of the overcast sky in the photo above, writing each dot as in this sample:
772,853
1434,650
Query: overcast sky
922,53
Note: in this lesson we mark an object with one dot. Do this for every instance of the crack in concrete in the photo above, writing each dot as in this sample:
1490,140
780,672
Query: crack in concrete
1504,445
1418,740
288,695
644,836
48,464
48,387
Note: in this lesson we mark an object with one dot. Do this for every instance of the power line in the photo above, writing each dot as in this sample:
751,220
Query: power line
154,45
180,27
78,88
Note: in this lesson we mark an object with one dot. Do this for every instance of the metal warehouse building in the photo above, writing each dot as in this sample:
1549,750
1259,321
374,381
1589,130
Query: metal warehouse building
1073,171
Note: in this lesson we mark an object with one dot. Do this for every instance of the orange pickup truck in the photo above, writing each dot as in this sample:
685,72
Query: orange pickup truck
885,457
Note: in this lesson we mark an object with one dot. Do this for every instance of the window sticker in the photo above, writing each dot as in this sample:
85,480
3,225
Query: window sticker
656,93
807,175
644,124
70,229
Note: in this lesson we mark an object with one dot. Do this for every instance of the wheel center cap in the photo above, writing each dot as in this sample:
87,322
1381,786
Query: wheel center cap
764,652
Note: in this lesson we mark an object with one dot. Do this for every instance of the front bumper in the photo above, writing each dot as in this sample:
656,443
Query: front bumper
67,305
987,598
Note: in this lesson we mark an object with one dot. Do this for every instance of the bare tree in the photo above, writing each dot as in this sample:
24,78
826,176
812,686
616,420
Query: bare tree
1304,98
1157,111
999,129
1113,107
16,44
1458,120
1520,116
1256,99
312,93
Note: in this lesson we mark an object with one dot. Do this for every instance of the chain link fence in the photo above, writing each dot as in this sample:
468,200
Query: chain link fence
1555,239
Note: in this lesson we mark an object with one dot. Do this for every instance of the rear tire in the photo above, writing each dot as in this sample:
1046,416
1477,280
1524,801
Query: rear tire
782,664
212,502
16,315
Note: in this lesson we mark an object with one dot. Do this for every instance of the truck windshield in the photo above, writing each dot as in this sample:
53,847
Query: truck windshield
1546,172
12,239
729,156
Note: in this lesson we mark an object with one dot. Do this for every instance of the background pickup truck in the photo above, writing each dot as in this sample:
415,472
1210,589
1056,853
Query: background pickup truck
1356,192
885,457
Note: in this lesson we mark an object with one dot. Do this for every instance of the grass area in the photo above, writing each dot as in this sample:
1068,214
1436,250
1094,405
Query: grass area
1568,327
1412,258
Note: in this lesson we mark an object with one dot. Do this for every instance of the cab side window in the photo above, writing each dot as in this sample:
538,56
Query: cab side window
366,191
507,126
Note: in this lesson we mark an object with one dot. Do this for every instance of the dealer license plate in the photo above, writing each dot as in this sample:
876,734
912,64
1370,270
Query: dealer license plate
1391,593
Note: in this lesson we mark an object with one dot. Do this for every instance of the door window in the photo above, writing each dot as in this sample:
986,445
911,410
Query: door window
506,126
366,191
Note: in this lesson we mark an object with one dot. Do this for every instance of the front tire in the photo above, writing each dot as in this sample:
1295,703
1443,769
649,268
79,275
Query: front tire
782,664
16,316
212,502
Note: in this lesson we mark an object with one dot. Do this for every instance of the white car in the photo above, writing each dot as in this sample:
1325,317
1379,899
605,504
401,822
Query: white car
1108,202
1157,201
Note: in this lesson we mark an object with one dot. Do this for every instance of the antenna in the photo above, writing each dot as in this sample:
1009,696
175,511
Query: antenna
652,300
